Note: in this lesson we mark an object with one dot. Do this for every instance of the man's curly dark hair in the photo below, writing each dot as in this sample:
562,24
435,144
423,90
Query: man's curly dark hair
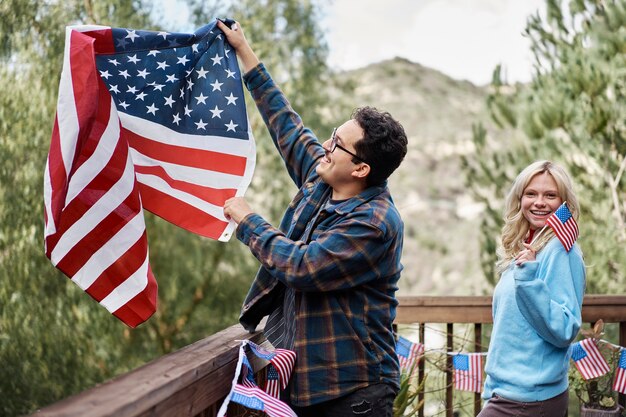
384,144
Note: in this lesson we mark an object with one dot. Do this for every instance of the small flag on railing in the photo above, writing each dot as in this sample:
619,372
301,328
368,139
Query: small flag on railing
279,370
588,359
619,384
408,353
247,374
468,371
256,399
564,226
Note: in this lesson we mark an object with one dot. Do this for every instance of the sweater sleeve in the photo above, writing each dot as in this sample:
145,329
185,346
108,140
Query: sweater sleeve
549,293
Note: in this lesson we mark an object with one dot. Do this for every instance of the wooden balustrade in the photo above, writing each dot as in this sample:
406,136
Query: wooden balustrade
194,380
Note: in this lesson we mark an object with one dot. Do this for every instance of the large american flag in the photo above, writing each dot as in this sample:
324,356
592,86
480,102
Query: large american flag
144,119
468,371
564,226
619,384
408,353
588,359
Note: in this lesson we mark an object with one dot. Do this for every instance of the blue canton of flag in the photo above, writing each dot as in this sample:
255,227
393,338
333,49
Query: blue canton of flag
187,82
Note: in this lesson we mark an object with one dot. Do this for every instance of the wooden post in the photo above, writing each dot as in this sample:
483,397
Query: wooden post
420,370
449,383
477,348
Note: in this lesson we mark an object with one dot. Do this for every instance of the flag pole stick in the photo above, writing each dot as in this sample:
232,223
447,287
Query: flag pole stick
537,234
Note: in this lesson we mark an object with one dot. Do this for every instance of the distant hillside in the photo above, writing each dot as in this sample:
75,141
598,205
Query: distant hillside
441,225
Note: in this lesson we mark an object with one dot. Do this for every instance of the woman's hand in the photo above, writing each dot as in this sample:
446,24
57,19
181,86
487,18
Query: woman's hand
526,255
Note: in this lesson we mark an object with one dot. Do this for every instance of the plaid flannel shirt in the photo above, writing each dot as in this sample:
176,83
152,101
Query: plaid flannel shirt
345,277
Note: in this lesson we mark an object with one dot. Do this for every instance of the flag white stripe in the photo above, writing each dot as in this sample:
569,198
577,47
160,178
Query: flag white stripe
50,226
98,160
110,252
197,176
162,134
158,184
96,213
128,289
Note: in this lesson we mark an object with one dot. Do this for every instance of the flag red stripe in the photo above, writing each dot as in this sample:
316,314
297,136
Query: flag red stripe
142,306
213,196
103,40
120,270
180,155
58,176
180,213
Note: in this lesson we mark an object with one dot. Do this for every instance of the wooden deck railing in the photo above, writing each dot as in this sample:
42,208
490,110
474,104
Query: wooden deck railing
194,380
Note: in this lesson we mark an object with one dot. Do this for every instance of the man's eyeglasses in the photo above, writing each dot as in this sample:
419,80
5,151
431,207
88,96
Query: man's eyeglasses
334,145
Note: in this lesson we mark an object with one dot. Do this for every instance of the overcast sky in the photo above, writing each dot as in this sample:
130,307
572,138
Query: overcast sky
465,39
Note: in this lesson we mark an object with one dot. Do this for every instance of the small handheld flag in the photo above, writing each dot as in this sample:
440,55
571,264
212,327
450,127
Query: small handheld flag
564,226
619,384
588,359
468,372
408,353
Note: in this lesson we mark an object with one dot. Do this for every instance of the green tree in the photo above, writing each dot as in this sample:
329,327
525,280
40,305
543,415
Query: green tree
572,112
55,340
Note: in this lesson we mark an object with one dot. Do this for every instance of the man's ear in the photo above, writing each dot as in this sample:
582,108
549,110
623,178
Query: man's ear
361,171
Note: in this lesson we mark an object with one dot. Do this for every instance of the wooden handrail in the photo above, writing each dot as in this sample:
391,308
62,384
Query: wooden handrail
194,380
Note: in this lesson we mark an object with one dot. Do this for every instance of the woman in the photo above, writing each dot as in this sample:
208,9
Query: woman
537,302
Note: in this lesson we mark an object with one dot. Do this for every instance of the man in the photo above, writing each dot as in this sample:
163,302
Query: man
329,274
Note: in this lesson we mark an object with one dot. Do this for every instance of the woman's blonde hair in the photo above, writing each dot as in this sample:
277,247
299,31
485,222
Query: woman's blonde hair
516,227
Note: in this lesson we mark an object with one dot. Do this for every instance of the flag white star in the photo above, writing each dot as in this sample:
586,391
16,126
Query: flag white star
202,73
201,98
140,96
230,74
182,92
153,52
124,74
132,35
144,73
105,74
231,126
201,124
194,47
124,104
217,60
216,112
171,78
217,85
189,84
169,101
176,118
114,62
231,99
131,89
182,60
152,109
114,89
158,87
133,59
164,34
187,111
162,65
226,51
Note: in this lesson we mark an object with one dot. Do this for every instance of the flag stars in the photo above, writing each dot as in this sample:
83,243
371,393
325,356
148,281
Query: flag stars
114,62
132,35
141,96
182,60
201,99
143,73
217,60
231,126
217,86
231,99
171,78
187,111
176,119
105,74
200,125
133,59
162,65
216,112
182,92
164,34
114,89
194,47
202,73
124,74
131,89
169,101
190,84
153,52
230,74
152,109
124,104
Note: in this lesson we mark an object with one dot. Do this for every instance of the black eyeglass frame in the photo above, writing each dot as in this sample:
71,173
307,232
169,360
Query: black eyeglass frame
334,145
